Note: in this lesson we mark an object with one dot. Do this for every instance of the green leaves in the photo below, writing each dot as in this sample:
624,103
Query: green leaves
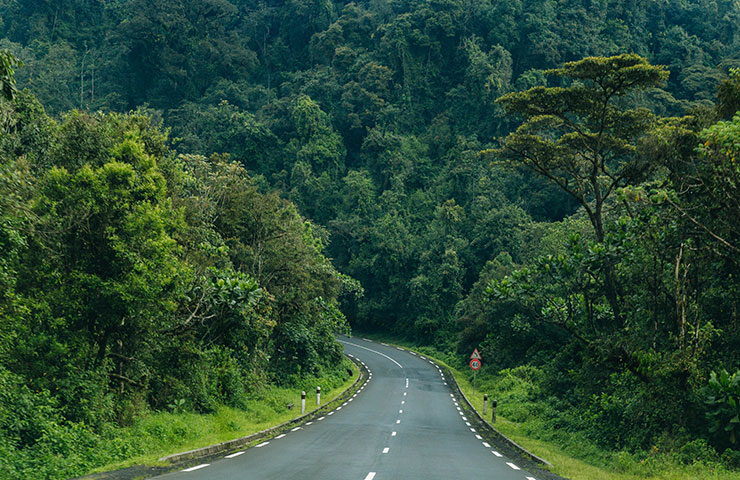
722,397
7,74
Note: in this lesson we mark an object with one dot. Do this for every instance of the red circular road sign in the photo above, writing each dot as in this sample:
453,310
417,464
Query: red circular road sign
475,364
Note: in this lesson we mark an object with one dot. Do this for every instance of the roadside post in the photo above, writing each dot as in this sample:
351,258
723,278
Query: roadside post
485,403
475,364
493,411
318,396
303,403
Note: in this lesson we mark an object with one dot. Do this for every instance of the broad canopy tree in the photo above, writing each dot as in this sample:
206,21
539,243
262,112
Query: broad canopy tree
584,137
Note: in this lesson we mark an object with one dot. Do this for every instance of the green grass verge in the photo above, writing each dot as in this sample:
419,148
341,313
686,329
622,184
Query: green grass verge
162,433
575,457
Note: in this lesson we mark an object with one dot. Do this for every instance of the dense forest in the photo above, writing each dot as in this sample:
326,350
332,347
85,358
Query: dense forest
555,182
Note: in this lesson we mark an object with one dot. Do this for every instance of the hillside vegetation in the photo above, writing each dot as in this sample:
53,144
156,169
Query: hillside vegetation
555,182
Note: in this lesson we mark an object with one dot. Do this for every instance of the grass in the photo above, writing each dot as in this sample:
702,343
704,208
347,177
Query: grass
573,456
162,433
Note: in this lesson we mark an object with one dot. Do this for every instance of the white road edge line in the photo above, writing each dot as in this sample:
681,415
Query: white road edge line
386,449
374,351
234,455
496,453
197,467
262,444
487,445
280,436
370,476
513,466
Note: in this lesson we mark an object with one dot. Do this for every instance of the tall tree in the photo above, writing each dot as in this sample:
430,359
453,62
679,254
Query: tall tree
582,137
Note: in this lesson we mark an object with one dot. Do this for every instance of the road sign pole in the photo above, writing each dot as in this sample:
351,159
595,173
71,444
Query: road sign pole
474,374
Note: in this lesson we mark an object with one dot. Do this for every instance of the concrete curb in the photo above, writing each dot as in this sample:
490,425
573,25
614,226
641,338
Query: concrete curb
523,451
240,442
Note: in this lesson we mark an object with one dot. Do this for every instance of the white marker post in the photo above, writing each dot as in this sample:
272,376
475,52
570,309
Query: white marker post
493,411
485,403
303,403
318,396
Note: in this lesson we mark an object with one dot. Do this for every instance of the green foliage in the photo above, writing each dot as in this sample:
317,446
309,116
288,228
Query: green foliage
723,406
7,79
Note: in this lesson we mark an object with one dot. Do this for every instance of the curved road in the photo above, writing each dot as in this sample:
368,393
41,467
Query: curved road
404,424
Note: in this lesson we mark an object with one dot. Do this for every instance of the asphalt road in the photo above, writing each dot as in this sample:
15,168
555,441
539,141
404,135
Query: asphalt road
404,424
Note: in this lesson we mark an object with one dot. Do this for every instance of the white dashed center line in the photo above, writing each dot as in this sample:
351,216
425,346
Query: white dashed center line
386,449
370,476
393,434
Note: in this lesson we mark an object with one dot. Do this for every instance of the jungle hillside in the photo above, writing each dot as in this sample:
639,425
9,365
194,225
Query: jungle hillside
192,190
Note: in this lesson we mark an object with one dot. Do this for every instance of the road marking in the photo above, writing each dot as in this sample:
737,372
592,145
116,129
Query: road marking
350,399
386,449
398,421
461,413
459,408
479,437
413,353
496,453
404,394
399,348
400,411
339,408
309,423
234,455
402,402
452,395
467,423
513,466
384,344
487,445
330,413
261,444
197,467
321,418
280,436
370,476
531,478
407,383
422,357
374,351
393,434
472,430
296,429
465,419
367,340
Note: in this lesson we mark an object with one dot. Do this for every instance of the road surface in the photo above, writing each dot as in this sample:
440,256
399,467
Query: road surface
404,424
